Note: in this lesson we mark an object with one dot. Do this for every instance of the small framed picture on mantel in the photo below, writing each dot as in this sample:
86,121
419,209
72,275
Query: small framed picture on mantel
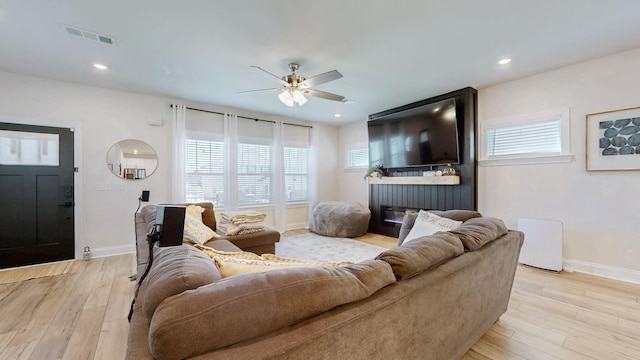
613,140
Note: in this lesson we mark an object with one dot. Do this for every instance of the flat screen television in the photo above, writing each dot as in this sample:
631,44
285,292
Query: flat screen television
416,137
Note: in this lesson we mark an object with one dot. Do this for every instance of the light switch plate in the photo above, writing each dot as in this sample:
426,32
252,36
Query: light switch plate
118,186
104,187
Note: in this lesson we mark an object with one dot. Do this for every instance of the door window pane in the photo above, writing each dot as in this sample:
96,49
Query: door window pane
28,148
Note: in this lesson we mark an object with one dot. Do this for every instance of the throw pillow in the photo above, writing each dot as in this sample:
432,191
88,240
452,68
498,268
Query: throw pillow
195,211
229,266
213,253
428,223
477,232
235,266
275,258
196,231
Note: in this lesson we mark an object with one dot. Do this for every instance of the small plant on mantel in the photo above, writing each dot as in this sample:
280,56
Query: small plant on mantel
375,170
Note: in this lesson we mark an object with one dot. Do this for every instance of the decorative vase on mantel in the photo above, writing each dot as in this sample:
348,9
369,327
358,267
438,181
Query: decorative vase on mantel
449,170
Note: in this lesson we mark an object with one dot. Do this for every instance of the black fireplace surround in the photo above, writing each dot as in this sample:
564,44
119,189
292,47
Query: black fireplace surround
388,202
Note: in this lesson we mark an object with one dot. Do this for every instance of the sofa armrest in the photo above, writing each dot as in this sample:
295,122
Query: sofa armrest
259,242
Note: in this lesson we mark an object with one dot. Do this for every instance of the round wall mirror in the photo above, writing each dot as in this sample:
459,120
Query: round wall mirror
132,159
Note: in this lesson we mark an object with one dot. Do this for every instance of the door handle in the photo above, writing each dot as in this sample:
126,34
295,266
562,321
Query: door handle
67,204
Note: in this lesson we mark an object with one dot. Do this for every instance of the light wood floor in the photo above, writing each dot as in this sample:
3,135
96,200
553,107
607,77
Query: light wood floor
550,316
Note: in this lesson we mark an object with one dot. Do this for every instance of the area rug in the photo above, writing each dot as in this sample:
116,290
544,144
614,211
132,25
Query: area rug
38,271
314,247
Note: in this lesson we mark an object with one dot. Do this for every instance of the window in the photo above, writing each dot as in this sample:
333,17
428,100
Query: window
204,171
535,138
238,170
538,138
255,174
296,174
358,157
29,148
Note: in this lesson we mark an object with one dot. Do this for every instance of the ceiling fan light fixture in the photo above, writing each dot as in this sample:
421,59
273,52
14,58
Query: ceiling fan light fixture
295,87
286,98
299,97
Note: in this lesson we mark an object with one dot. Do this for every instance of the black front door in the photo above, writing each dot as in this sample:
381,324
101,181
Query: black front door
36,194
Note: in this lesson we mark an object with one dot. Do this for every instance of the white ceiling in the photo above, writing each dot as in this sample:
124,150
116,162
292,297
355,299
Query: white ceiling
390,52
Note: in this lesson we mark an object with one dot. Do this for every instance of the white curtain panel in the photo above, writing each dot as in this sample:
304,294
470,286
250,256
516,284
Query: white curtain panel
313,168
279,177
178,182
231,160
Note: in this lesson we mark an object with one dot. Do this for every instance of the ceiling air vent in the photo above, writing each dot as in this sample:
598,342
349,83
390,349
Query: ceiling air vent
105,39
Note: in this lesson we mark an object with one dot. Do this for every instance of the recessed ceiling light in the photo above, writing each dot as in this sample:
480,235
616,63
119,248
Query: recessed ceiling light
337,115
504,61
100,66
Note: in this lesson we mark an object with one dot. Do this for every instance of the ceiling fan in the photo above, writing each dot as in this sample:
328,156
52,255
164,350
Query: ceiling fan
295,87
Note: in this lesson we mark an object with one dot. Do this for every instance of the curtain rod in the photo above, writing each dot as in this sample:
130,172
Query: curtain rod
244,117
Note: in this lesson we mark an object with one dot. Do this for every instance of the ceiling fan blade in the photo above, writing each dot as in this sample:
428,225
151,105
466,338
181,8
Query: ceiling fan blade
275,76
252,91
323,95
320,79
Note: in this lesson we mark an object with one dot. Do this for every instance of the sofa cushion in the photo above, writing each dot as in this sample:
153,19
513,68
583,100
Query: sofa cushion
428,223
246,306
475,233
411,259
222,245
176,269
410,218
149,214
457,215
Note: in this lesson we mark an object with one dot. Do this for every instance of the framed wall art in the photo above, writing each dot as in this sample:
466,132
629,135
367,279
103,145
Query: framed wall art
613,140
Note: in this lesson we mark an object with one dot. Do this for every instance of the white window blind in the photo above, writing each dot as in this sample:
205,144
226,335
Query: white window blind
526,139
537,138
255,174
204,171
358,158
296,170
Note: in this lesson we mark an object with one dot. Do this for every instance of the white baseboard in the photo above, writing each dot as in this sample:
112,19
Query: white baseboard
302,225
611,272
112,250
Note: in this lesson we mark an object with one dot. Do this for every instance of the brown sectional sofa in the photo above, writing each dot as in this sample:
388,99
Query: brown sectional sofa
431,298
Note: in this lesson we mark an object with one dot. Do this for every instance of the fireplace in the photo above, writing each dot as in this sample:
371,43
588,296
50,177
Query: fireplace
393,215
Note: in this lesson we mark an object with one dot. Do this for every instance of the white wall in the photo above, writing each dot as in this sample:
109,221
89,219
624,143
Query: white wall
599,211
105,219
325,162
352,185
